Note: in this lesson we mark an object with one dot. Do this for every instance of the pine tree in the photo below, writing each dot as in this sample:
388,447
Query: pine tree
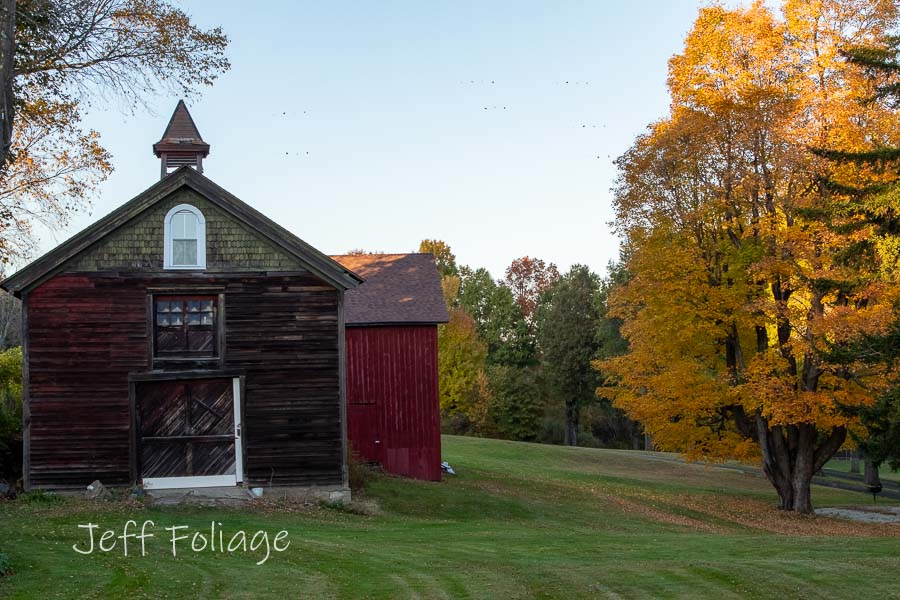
871,203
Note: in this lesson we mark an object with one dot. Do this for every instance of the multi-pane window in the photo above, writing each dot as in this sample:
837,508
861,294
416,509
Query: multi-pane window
185,238
185,326
184,226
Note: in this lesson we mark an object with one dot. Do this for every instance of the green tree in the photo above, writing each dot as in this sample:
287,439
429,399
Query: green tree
882,443
498,318
444,258
516,402
445,261
610,425
609,331
10,413
568,342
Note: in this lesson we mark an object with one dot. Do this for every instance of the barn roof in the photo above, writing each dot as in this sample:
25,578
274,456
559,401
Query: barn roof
398,289
316,262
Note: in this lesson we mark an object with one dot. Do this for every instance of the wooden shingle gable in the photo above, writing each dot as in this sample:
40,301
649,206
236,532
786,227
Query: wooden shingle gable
270,247
231,245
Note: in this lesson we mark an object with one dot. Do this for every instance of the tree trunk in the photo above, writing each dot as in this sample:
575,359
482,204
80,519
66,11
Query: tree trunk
803,470
854,461
571,423
791,455
7,76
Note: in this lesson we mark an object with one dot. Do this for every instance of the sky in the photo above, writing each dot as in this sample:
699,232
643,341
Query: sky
374,125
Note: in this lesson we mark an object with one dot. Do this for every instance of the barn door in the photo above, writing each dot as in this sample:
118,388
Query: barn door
189,433
362,431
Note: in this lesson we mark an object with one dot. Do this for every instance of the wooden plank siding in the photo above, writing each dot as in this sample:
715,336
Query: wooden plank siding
88,331
392,398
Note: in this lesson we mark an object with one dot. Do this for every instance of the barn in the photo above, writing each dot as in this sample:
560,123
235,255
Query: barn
393,413
186,341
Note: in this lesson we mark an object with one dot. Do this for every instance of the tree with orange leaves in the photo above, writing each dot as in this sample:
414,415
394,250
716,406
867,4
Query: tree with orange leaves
739,283
528,278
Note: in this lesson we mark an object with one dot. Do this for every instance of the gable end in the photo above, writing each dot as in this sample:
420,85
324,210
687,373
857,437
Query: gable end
258,240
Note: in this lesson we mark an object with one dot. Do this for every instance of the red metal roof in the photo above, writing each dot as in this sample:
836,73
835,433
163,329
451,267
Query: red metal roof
398,289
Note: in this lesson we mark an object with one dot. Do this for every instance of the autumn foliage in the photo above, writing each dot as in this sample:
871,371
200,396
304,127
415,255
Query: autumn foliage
748,266
69,56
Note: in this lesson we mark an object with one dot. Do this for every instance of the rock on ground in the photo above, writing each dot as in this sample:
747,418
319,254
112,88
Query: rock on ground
96,491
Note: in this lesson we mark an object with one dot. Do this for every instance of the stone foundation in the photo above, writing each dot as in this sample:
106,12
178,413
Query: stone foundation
236,496
331,494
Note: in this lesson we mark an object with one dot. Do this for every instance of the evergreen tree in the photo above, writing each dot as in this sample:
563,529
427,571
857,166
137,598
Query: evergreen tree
870,204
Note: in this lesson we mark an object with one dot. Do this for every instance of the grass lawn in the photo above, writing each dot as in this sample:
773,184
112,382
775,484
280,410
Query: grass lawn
844,467
519,521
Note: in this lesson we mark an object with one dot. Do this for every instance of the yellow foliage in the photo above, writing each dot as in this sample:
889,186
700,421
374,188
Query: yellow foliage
461,357
740,281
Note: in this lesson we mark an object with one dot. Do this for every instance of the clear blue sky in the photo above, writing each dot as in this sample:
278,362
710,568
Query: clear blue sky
491,125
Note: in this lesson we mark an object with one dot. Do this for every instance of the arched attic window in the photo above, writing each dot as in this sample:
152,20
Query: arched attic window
185,238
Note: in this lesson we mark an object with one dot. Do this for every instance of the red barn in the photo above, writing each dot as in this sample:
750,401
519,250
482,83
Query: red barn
393,411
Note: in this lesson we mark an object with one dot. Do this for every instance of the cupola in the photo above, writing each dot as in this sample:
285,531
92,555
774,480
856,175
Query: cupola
181,143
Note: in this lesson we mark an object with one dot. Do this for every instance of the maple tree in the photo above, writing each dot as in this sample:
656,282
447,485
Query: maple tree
528,278
740,280
59,57
461,353
460,364
444,258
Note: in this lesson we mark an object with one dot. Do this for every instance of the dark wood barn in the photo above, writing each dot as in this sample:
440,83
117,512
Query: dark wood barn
392,362
184,340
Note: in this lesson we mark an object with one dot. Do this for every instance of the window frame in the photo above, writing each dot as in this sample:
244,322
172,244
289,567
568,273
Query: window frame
186,358
185,327
169,242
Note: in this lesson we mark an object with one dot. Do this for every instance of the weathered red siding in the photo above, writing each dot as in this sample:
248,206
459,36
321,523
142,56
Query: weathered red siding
82,343
393,412
86,333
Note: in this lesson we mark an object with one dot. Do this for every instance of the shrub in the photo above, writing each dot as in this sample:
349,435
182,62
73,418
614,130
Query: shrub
456,424
5,566
553,430
357,472
516,404
11,414
40,497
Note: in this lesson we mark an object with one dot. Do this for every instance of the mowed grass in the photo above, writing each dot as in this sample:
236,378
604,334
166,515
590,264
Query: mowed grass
519,521
843,466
